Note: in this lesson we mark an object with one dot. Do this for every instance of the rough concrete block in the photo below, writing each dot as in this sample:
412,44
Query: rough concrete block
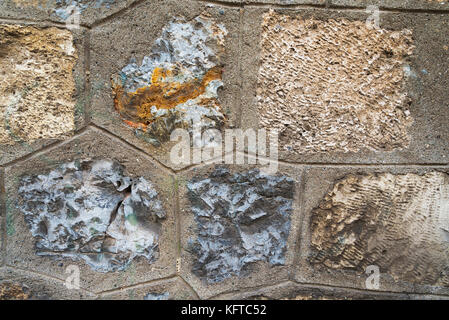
392,123
23,285
94,203
395,4
238,226
86,12
172,289
393,218
42,76
158,97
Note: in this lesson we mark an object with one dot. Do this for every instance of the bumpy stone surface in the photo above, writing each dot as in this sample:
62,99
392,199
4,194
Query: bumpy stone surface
13,291
333,85
176,85
36,83
90,210
397,222
242,218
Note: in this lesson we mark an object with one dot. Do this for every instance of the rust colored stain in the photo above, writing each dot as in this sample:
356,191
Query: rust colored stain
135,107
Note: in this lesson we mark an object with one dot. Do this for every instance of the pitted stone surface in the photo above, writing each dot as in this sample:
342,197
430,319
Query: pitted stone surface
397,222
36,83
176,85
242,218
333,85
90,210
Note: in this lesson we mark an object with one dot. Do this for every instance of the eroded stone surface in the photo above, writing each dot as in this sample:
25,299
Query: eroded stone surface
36,83
242,218
176,85
13,291
334,85
397,222
90,210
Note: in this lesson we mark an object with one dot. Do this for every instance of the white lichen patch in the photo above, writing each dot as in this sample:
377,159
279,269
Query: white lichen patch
176,85
397,222
334,85
89,210
36,83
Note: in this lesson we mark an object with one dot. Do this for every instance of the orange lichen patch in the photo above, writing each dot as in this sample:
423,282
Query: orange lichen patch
135,107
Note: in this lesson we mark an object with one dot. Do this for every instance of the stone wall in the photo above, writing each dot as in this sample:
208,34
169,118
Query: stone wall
91,92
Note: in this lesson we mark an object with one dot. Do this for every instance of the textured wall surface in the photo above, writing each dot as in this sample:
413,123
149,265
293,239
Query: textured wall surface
37,85
91,91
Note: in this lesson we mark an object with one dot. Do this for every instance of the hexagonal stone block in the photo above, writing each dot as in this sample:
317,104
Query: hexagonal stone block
393,220
170,289
238,226
94,203
178,70
304,82
22,285
85,12
43,99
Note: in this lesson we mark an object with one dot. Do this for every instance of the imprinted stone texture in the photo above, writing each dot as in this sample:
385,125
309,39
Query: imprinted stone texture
333,85
397,222
36,83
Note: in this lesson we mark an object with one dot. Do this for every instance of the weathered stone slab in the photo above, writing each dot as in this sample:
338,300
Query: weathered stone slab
393,218
42,75
301,92
94,203
238,226
180,70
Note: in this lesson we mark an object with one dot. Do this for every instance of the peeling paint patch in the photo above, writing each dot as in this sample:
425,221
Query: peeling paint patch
176,85
335,85
90,210
36,83
242,218
397,222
